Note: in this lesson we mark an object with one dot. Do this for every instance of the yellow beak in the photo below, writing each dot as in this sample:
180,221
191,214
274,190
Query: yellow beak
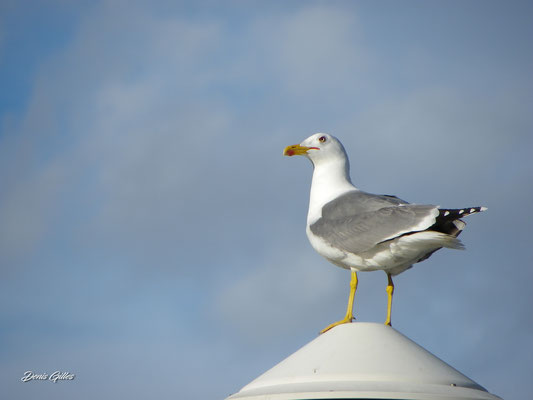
297,150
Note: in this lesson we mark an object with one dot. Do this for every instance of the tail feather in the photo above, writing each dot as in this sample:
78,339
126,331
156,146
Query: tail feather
448,221
449,224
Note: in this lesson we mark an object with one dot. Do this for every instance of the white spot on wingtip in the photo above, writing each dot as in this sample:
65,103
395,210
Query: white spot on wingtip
472,210
446,213
483,208
461,211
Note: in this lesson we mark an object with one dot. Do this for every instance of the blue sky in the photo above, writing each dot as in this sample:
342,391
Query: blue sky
152,236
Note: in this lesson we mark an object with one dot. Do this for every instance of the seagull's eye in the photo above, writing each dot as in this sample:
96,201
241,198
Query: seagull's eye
322,139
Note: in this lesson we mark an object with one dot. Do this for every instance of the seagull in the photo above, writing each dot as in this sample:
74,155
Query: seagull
360,231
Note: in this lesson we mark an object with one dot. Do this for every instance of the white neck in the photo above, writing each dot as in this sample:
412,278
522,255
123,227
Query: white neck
330,179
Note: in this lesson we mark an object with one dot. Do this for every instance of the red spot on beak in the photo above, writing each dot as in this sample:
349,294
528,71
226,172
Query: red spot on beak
290,152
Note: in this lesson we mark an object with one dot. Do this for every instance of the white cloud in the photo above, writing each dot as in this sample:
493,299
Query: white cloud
27,210
117,115
280,294
315,51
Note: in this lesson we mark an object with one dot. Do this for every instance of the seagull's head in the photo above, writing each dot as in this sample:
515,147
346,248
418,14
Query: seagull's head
319,148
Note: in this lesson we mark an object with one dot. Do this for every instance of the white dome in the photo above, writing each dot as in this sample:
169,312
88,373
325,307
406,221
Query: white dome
362,361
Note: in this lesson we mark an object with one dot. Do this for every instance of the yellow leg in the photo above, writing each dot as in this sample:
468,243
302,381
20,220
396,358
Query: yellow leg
349,310
390,291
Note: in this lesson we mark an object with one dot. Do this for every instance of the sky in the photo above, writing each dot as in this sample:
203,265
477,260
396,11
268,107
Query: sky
152,235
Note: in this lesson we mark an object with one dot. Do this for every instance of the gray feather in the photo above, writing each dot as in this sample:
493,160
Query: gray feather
356,202
358,221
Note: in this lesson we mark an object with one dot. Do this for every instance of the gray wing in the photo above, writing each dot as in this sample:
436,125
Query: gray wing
359,232
358,202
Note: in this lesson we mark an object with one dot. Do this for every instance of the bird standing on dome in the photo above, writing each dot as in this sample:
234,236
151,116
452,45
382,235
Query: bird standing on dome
360,231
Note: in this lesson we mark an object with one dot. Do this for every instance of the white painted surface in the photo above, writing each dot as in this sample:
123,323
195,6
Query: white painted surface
362,361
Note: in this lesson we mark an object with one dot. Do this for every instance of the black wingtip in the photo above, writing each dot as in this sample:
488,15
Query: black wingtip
454,213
